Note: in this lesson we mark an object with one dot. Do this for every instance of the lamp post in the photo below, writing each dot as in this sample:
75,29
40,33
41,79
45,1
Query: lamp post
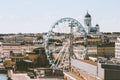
71,25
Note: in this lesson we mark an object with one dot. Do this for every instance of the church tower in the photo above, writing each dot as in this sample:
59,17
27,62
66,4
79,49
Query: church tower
87,22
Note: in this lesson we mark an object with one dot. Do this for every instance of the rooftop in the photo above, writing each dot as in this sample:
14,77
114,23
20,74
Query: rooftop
89,62
74,75
87,15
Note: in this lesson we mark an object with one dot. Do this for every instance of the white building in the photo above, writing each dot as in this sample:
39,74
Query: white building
7,48
117,48
88,26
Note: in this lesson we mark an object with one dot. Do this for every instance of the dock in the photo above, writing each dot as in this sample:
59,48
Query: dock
2,69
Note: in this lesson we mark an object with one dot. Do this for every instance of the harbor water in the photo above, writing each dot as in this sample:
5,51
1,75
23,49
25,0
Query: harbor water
3,76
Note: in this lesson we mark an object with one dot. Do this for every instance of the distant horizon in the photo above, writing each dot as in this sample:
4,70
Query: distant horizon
43,32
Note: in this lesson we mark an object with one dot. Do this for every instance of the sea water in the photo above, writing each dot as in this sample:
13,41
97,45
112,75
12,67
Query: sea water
3,76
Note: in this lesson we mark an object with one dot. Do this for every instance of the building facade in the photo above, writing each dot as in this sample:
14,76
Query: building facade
106,51
84,69
87,70
117,48
7,48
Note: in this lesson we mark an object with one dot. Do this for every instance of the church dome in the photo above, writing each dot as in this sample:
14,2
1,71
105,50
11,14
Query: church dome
97,25
87,15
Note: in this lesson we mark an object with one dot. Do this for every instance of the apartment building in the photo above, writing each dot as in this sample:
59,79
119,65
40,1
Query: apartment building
117,48
7,48
84,69
87,70
106,51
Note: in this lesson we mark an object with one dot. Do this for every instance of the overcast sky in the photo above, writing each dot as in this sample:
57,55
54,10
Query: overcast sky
29,16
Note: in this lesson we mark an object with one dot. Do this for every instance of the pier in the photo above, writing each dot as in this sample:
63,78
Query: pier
2,69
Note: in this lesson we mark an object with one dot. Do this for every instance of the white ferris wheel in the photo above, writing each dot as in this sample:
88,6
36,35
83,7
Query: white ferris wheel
59,42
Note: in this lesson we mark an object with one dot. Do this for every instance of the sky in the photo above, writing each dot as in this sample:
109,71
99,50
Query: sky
34,16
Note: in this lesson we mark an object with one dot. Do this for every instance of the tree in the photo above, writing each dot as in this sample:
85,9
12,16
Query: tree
42,58
39,37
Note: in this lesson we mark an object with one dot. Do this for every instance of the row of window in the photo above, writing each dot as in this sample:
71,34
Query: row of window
92,52
118,56
117,48
11,49
117,41
117,45
92,48
117,52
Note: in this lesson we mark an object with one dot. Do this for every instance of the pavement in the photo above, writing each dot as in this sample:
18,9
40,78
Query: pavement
20,77
24,76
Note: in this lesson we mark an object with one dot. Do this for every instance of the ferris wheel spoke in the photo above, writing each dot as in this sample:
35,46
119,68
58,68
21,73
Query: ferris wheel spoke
63,53
60,53
64,56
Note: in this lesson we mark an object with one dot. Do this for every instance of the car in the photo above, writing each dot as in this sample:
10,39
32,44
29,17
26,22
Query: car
30,74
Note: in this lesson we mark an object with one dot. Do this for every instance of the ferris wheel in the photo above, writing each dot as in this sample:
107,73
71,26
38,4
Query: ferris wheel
59,42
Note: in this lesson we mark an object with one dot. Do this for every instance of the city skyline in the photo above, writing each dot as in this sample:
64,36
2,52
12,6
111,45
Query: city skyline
28,16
